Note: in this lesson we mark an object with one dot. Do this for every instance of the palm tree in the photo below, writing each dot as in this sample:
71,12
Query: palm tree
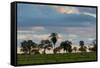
81,43
82,47
54,37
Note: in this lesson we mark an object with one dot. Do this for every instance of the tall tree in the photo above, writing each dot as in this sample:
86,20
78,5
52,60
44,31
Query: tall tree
69,47
24,47
54,37
81,43
30,45
66,45
82,47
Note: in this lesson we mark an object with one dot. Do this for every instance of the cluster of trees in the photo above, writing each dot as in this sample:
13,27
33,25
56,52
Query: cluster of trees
26,46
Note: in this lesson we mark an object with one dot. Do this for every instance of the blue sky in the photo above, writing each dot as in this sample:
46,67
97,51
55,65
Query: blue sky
37,22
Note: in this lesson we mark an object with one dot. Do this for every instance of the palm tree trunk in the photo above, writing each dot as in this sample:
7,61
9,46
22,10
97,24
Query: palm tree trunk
29,52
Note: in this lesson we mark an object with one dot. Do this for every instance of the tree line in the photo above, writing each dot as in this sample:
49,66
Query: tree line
28,45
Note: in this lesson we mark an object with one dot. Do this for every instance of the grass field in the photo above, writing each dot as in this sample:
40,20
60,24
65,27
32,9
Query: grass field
55,58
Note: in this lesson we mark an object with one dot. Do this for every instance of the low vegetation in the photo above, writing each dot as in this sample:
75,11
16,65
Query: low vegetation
56,58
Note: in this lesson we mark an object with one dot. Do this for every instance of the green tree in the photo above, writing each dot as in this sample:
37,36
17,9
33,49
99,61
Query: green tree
82,47
24,47
69,47
75,49
45,44
30,45
81,43
54,37
66,45
27,45
57,49
94,48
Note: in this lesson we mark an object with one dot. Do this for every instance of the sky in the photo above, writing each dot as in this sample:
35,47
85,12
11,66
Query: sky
37,22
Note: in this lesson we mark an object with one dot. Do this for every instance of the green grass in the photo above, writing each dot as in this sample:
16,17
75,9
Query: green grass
55,58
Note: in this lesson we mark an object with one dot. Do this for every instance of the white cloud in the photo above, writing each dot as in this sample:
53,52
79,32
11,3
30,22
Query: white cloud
87,31
24,37
60,36
30,33
90,14
67,10
73,10
41,37
90,39
25,31
72,35
32,36
31,29
37,28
